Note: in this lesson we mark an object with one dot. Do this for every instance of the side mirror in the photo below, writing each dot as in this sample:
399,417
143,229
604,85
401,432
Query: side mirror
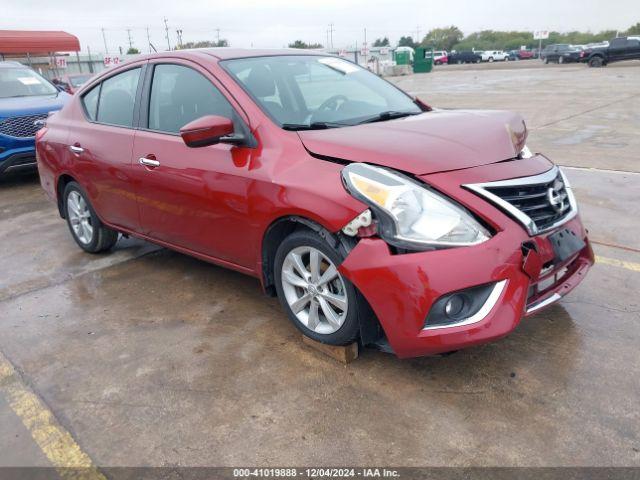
207,130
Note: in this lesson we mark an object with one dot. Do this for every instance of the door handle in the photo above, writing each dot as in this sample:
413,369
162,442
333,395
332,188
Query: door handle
76,149
148,162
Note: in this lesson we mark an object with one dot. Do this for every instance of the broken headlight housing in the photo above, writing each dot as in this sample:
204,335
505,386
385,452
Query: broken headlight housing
410,215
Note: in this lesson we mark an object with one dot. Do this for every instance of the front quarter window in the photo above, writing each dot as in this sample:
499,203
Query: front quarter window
23,82
316,91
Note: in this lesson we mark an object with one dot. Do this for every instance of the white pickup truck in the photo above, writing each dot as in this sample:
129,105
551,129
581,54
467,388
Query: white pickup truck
494,56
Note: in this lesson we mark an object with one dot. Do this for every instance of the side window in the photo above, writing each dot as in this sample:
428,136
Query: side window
117,98
179,95
618,42
90,102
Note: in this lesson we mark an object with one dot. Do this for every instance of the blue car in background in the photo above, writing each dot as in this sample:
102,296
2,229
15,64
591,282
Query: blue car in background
26,99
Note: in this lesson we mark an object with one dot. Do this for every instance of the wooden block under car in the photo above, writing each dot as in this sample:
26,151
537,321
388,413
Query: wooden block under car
345,354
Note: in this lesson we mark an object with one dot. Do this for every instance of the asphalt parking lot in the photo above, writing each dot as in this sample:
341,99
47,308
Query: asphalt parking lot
146,357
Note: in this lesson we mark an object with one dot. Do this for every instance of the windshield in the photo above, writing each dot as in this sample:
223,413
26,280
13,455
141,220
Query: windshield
313,91
79,80
23,82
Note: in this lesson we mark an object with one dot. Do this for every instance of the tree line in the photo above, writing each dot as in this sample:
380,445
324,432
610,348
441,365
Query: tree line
452,38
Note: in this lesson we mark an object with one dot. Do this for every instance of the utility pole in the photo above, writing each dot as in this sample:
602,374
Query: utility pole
166,29
104,38
129,35
365,47
148,40
331,30
417,34
179,34
218,36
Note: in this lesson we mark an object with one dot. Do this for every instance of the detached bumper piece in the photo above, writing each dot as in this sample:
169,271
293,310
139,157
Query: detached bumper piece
440,301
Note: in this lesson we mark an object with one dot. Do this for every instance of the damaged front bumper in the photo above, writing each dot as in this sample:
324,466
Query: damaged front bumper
518,273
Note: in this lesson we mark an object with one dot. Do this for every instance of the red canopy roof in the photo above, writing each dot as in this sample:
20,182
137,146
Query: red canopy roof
24,41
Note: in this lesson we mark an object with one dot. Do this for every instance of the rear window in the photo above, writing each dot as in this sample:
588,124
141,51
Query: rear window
117,98
23,82
79,80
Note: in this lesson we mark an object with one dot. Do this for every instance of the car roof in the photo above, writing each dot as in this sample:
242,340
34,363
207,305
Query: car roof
225,53
11,64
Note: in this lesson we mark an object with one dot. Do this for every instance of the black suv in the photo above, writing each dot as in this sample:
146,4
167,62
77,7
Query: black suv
560,53
620,48
464,57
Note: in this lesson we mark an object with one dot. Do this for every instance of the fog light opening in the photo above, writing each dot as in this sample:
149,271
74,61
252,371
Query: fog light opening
464,306
455,306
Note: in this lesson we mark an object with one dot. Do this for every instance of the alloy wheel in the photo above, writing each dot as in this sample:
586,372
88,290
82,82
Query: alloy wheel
80,217
314,290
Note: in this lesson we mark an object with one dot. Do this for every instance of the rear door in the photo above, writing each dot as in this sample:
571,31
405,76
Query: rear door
192,198
633,49
100,145
617,49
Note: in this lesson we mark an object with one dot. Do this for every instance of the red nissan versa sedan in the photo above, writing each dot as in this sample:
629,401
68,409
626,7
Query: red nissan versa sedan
370,214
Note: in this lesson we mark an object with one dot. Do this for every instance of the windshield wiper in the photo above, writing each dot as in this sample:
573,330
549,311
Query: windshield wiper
311,126
388,115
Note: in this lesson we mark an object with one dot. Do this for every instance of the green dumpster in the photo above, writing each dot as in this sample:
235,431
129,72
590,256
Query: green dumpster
423,60
402,58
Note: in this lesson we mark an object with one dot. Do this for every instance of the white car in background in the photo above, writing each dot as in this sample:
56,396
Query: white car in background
494,56
440,57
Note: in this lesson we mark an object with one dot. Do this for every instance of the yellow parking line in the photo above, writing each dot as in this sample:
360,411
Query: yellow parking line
614,262
55,442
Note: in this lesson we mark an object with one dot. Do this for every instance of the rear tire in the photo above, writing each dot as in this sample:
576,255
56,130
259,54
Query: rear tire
546,61
595,62
326,311
86,228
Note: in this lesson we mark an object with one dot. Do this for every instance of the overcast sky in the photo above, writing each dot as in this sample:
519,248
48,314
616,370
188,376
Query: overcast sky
274,23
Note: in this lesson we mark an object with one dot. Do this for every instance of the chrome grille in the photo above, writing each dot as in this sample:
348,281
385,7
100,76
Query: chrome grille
21,127
540,202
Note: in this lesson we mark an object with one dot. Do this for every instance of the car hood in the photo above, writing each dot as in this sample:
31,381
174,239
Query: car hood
18,106
431,142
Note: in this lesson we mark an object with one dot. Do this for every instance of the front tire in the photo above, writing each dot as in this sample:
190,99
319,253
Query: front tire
319,301
86,228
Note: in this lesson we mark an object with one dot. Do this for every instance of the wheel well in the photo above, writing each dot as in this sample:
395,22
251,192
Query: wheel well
274,236
63,181
370,329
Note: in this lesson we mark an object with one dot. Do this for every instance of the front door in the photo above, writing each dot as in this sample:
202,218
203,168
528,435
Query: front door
191,198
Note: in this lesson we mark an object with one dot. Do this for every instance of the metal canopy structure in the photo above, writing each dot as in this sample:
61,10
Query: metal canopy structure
37,42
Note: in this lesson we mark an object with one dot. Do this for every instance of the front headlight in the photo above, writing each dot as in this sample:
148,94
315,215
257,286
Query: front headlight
409,214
